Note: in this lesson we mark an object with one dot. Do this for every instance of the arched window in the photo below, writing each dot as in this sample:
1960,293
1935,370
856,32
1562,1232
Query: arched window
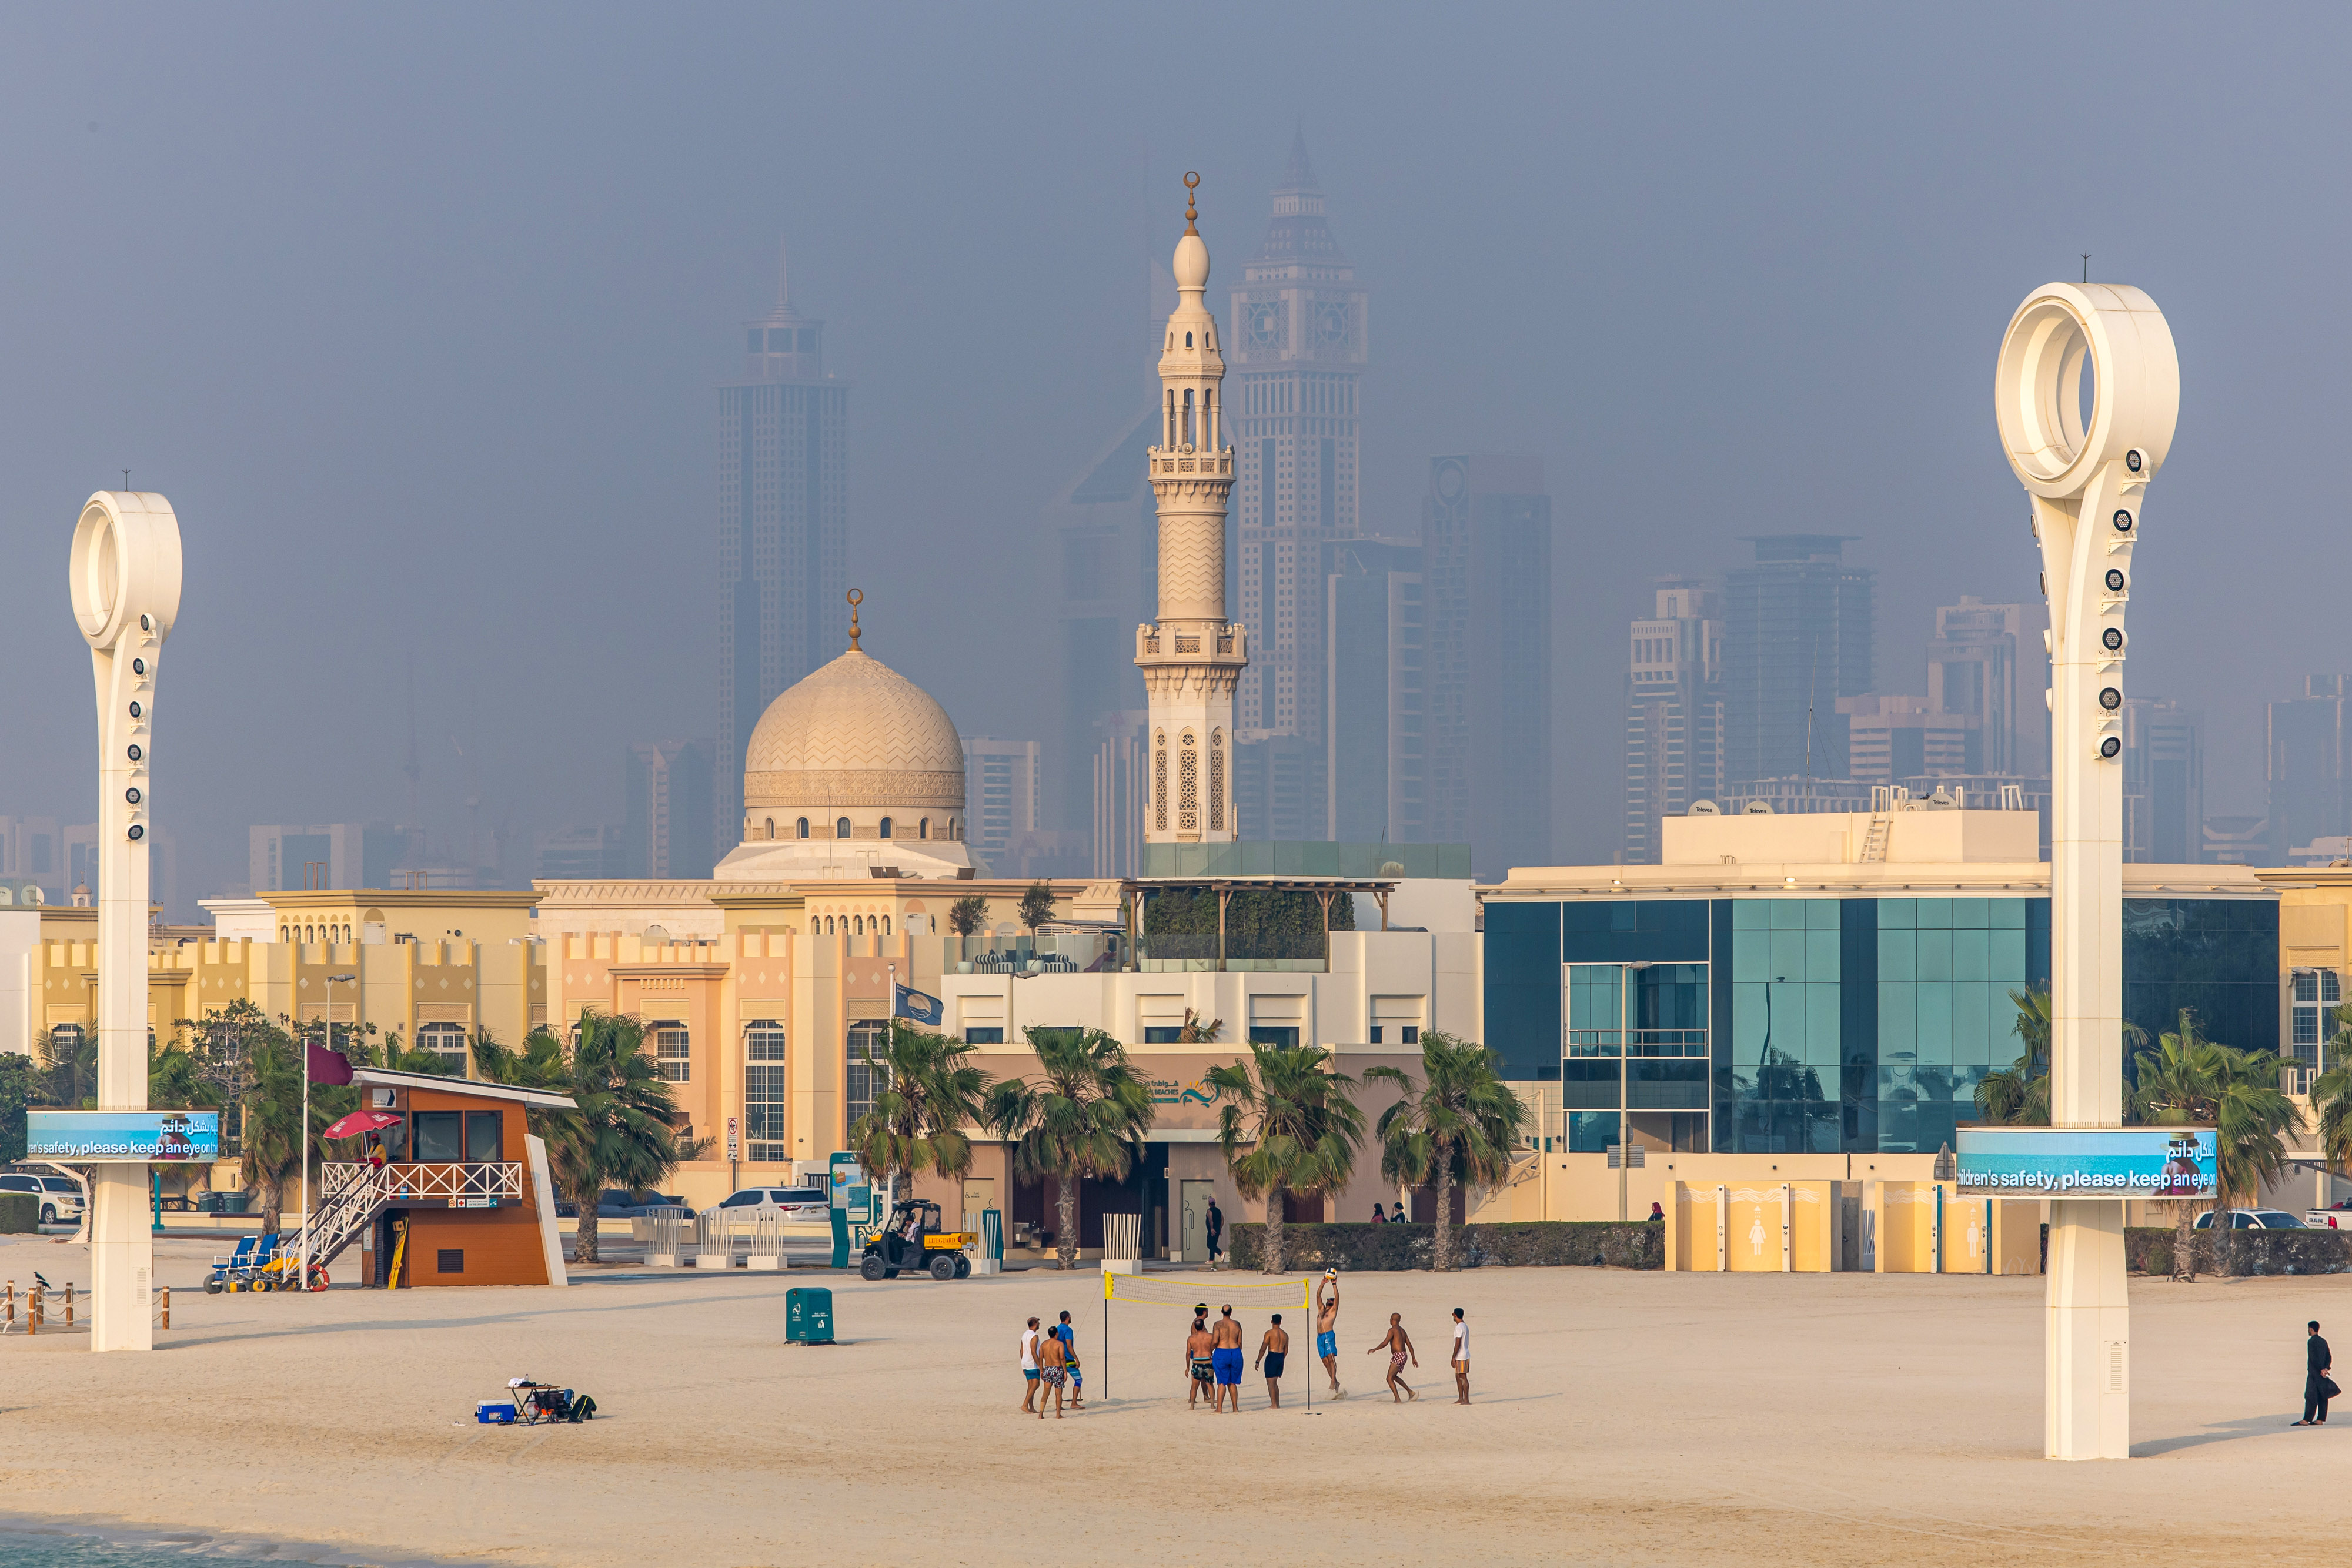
1188,786
1188,401
923,829
885,827
284,934
886,925
841,828
800,828
1159,781
771,827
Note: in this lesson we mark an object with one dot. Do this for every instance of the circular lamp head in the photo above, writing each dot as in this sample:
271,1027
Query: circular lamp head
126,566
2117,334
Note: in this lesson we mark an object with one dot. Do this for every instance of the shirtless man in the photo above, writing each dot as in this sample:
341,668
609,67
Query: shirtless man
1053,1372
1271,1350
1399,1344
1226,1357
1327,1328
1198,1366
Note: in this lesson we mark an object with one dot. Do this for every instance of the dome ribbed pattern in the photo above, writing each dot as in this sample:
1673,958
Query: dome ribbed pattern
853,734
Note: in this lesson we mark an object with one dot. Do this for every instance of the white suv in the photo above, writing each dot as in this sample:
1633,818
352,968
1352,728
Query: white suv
60,1195
797,1205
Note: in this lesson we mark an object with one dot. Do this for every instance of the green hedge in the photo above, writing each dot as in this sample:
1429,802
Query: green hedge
2149,1250
1530,1243
20,1214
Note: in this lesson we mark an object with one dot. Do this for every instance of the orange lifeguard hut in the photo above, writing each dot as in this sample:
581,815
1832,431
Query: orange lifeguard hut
464,1197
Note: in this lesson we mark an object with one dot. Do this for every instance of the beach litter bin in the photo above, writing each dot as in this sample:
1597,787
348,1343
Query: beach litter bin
808,1315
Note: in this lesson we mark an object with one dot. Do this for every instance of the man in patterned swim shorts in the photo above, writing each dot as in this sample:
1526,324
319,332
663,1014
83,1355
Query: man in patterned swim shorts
1327,1328
1198,1363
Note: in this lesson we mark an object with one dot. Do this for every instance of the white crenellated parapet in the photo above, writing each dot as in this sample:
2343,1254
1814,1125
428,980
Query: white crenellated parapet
126,594
2087,480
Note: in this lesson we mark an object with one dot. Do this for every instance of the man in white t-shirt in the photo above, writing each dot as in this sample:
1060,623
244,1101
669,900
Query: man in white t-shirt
1461,1359
1029,1369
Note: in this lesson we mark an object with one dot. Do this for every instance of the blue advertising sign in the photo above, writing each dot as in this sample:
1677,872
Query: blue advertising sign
2087,1161
123,1138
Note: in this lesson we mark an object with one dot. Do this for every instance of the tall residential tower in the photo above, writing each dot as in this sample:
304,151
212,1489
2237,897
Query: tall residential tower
783,528
1298,348
1192,657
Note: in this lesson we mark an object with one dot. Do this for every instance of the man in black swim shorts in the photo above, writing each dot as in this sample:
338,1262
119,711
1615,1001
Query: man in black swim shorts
1271,1350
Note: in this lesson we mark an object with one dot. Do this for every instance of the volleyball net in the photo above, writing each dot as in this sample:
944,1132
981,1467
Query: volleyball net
1253,1301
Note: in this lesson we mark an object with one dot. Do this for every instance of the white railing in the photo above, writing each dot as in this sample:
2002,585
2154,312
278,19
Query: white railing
1123,1236
460,1186
668,1237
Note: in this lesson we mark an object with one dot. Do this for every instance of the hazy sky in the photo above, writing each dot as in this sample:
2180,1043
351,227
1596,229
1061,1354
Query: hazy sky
415,315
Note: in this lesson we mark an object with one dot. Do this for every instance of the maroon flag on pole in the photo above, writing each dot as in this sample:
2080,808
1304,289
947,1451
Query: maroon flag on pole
329,1066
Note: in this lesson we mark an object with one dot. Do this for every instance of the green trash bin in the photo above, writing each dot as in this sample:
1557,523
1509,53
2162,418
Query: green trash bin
808,1315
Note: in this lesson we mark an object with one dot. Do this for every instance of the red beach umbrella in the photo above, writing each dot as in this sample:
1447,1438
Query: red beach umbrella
358,1122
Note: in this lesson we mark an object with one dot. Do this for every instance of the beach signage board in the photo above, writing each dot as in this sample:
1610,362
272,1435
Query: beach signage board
123,1138
2087,1161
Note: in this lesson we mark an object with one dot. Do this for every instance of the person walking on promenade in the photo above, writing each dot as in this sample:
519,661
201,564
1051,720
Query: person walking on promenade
2317,1387
1226,1337
1029,1367
1327,1328
1271,1352
1216,1224
1377,1217
1461,1359
1069,1338
1053,1372
1399,1344
1199,1349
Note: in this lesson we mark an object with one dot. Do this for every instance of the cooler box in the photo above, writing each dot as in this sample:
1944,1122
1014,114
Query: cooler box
808,1315
494,1412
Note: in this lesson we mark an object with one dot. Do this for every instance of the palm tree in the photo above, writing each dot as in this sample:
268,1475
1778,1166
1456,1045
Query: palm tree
2019,1093
1084,1115
2191,1081
619,1131
1300,1120
273,1137
928,1093
1460,1124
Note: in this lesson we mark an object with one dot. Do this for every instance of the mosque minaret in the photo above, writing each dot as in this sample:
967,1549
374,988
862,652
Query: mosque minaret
1193,658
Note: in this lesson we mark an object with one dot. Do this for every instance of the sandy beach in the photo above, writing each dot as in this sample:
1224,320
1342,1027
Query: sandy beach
1622,1418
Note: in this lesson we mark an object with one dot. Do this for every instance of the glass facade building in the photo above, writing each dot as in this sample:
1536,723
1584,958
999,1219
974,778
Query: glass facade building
1796,1025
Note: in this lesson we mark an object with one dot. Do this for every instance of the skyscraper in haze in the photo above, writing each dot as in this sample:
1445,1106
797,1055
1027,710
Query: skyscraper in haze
1376,658
1296,346
668,796
2164,781
1486,559
1982,666
1797,637
1674,712
783,529
2307,765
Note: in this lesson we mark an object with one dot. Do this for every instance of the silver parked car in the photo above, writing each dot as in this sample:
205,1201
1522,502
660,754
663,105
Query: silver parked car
797,1205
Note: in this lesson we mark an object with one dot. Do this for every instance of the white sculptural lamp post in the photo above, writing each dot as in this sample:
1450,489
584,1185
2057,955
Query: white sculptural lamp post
126,592
2087,480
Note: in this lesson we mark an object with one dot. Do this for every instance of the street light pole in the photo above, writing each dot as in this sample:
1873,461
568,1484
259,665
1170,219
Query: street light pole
303,1280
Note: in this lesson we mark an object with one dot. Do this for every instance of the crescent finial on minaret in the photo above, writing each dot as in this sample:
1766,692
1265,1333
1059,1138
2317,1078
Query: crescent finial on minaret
1192,218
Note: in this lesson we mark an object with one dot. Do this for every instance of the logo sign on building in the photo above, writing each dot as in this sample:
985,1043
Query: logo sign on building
2085,1162
123,1138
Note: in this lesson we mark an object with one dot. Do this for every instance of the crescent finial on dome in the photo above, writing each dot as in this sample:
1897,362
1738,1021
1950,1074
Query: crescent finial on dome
857,598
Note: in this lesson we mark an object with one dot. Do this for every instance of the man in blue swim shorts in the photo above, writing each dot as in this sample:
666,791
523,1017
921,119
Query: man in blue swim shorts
1327,1328
1226,1359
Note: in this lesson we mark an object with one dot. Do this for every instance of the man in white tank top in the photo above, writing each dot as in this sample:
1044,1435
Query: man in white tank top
1461,1359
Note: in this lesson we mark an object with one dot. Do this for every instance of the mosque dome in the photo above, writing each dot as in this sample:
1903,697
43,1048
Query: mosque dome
855,740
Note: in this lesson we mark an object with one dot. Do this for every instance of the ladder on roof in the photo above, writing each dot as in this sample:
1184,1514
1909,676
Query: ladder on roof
1873,845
